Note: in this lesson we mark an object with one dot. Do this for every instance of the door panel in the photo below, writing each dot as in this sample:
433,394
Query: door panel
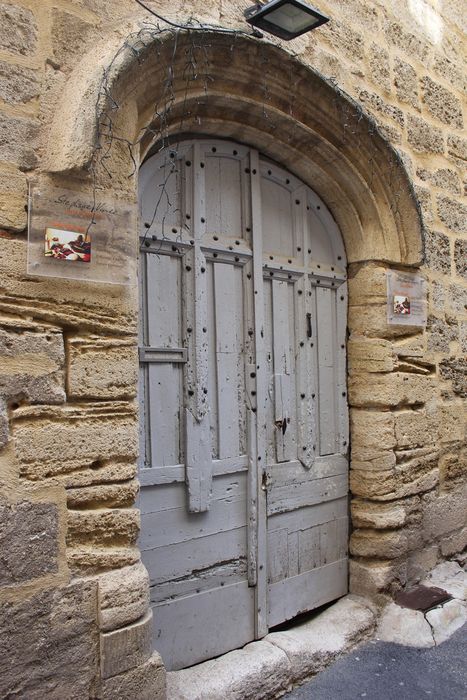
243,464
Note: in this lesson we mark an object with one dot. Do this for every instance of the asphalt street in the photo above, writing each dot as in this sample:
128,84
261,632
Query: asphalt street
384,671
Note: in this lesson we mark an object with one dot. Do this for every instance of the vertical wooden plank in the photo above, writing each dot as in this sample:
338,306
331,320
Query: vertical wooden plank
261,592
162,381
285,428
293,550
164,398
198,458
268,400
278,561
326,374
226,305
328,542
198,462
277,217
212,368
304,342
163,299
309,549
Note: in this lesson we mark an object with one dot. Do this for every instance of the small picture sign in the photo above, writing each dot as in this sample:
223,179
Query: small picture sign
81,236
406,298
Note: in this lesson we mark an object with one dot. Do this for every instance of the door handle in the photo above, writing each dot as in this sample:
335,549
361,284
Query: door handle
309,330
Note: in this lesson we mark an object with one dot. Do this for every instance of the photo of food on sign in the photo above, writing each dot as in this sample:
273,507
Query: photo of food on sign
61,244
401,304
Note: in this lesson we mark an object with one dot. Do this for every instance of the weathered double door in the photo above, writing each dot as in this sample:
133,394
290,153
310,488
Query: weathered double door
243,399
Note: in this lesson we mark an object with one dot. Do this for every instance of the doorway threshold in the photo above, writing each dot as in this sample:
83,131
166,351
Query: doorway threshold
269,668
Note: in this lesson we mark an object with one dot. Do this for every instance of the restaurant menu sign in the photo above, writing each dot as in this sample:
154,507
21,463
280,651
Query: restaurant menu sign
407,304
81,236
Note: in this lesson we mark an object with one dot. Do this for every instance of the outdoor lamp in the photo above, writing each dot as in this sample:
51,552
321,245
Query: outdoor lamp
285,18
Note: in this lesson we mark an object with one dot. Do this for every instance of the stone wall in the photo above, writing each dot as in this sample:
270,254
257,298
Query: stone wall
73,591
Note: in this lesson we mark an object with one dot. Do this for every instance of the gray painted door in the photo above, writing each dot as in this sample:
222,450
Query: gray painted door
243,399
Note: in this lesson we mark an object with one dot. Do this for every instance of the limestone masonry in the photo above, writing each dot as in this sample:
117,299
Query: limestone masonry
369,110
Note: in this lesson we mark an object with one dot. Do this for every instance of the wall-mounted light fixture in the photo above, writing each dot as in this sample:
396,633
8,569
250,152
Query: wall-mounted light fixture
285,18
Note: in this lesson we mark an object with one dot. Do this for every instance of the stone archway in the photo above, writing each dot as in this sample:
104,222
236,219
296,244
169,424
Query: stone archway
323,138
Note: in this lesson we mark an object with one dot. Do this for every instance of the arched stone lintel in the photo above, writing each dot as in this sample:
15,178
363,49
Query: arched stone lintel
321,135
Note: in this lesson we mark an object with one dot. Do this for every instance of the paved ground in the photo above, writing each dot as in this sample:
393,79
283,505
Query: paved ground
383,671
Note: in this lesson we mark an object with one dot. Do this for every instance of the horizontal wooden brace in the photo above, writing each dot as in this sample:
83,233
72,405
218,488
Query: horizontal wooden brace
148,354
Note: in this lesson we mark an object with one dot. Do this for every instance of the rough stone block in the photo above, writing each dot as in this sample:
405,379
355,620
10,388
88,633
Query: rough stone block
109,472
49,443
370,355
367,284
102,368
127,647
145,682
458,299
447,619
87,560
17,84
69,33
18,29
451,423
455,370
123,596
49,644
457,147
424,137
443,513
121,495
390,390
423,195
441,333
380,71
372,439
104,309
18,137
452,468
382,516
375,103
450,71
406,82
455,543
13,200
438,252
441,103
463,336
404,626
344,39
375,578
119,526
4,425
438,296
445,178
29,535
32,364
411,44
415,429
406,480
421,562
453,214
460,256
386,544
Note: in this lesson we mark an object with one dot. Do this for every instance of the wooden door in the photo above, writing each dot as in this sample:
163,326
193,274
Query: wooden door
243,399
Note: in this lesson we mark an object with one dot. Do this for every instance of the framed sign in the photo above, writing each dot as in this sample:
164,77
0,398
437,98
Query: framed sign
406,298
80,236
